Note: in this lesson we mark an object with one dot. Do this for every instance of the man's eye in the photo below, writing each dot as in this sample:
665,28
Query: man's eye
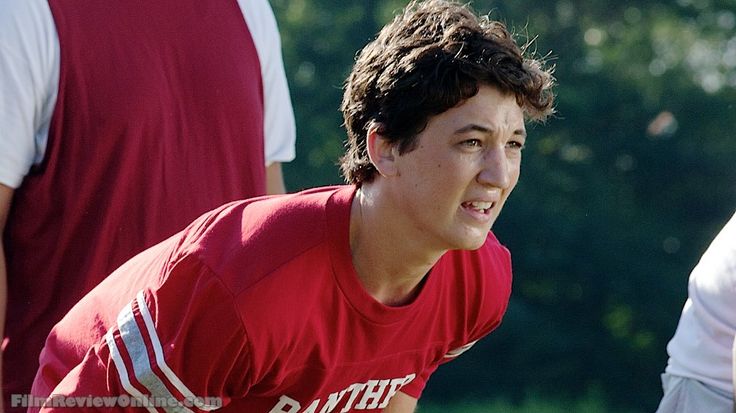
515,145
472,143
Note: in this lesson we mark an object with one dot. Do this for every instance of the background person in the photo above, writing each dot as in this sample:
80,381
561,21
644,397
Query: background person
342,298
121,122
699,373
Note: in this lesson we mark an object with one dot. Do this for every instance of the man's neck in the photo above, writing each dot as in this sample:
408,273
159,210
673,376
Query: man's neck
390,262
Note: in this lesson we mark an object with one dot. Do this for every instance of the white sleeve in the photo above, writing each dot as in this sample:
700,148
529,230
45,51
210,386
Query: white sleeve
279,125
29,79
702,346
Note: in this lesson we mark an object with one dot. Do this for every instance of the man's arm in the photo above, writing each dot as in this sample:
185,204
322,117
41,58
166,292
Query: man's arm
275,179
401,403
6,194
155,340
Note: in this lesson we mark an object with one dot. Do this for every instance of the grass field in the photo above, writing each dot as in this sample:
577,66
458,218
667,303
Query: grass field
589,404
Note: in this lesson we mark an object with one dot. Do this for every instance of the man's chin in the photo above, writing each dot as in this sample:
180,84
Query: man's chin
471,244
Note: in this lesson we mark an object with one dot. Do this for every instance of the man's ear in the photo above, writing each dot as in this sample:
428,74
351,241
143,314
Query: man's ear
380,151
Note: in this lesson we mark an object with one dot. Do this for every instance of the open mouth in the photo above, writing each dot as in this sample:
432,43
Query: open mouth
479,207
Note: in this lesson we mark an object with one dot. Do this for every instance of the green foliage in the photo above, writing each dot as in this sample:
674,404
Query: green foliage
620,193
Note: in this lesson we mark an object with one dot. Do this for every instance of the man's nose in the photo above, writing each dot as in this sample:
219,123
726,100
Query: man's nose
495,170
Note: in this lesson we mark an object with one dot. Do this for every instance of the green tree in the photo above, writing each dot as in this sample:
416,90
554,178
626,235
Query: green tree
620,192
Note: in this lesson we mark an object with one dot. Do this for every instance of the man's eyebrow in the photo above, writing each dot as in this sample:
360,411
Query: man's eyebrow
486,129
475,127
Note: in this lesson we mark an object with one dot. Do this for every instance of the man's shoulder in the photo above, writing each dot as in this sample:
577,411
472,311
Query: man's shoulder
481,274
492,256
478,286
243,241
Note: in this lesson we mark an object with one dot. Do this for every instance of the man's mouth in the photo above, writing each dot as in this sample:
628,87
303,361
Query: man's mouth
479,206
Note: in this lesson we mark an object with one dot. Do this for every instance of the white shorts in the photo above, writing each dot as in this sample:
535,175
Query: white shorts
685,395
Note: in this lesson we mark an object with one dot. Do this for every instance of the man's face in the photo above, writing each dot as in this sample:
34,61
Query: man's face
466,163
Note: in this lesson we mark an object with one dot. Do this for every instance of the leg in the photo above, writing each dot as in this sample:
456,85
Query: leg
733,375
685,395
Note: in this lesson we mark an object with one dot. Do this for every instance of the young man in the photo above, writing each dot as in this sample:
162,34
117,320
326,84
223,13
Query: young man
120,123
700,371
335,299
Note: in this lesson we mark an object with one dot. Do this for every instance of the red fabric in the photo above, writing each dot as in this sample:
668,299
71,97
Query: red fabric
159,118
258,303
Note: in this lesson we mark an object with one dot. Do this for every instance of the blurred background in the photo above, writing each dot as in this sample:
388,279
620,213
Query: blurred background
620,192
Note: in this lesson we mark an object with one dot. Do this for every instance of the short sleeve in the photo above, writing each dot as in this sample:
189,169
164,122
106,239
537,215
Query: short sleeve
29,72
482,282
278,123
415,387
180,344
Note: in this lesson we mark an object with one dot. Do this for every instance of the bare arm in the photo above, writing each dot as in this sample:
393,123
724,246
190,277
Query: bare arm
401,403
6,194
275,179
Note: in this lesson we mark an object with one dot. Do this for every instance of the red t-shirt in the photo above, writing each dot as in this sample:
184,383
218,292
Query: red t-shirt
257,303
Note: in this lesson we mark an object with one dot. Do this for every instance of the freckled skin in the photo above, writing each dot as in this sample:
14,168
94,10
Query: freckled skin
471,152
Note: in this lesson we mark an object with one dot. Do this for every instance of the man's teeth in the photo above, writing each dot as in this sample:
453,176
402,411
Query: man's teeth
481,206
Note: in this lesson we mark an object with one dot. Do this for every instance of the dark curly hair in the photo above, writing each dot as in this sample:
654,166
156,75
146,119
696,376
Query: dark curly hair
430,58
